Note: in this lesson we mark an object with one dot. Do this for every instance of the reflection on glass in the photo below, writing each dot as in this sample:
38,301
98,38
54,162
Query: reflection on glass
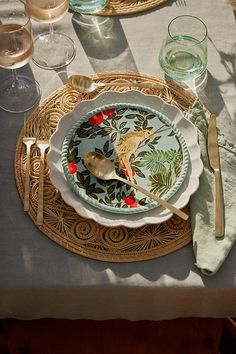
88,6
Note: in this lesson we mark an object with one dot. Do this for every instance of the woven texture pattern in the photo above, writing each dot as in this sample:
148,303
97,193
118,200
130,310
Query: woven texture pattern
62,224
128,7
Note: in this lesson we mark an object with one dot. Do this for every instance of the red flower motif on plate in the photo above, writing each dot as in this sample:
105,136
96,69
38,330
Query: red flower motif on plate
96,119
130,201
72,168
127,173
109,112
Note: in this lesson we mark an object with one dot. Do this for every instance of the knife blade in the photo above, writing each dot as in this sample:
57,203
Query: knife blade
214,160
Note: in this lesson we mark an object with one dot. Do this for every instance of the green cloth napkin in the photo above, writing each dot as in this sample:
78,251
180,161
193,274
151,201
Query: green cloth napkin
210,252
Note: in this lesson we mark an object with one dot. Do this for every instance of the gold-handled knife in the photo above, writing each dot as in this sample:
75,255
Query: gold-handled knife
214,159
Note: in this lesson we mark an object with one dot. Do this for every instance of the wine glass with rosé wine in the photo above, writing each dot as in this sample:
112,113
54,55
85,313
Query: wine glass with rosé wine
18,93
52,50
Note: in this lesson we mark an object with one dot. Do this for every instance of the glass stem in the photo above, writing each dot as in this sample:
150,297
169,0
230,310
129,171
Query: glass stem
14,79
51,31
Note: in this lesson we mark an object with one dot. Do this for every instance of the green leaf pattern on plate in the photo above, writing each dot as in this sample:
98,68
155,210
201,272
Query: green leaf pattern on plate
157,162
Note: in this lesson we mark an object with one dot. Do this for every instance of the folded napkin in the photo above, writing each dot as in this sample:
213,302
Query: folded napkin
210,252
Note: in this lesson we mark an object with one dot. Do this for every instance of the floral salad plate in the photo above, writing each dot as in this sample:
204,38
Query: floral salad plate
145,146
92,126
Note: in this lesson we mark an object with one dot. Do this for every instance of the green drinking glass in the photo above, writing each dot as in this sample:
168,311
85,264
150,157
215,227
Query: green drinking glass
88,7
183,55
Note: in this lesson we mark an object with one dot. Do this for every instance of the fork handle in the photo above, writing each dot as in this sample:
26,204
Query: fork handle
27,178
219,206
39,218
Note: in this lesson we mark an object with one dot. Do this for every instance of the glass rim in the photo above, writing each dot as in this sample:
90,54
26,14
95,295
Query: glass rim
28,18
193,17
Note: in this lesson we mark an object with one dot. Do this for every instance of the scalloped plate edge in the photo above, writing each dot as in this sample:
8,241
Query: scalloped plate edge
157,215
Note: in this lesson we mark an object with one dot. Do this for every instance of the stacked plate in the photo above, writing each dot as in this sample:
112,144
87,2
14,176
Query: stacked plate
150,143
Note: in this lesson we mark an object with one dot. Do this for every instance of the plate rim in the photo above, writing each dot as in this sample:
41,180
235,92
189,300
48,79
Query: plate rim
84,209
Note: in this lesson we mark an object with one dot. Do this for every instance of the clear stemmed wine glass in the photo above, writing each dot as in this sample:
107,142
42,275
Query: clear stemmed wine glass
52,50
18,93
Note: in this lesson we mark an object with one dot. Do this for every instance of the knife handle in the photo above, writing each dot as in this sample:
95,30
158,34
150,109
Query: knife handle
219,206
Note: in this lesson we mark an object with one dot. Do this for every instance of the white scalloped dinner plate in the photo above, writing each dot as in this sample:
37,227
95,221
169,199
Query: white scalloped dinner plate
153,216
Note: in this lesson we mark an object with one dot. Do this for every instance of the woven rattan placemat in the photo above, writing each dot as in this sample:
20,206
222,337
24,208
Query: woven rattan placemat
85,237
129,7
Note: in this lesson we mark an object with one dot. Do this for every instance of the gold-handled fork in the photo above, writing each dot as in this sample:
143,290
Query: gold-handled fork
28,139
42,143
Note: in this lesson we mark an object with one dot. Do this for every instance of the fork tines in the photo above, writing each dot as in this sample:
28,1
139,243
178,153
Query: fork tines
181,3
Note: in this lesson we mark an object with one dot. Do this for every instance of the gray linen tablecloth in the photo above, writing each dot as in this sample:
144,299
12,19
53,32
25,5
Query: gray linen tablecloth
38,278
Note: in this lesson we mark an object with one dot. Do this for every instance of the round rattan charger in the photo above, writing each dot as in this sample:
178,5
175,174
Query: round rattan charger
83,236
128,7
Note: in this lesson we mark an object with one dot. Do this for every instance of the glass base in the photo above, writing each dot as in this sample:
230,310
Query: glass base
53,51
21,97
193,84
